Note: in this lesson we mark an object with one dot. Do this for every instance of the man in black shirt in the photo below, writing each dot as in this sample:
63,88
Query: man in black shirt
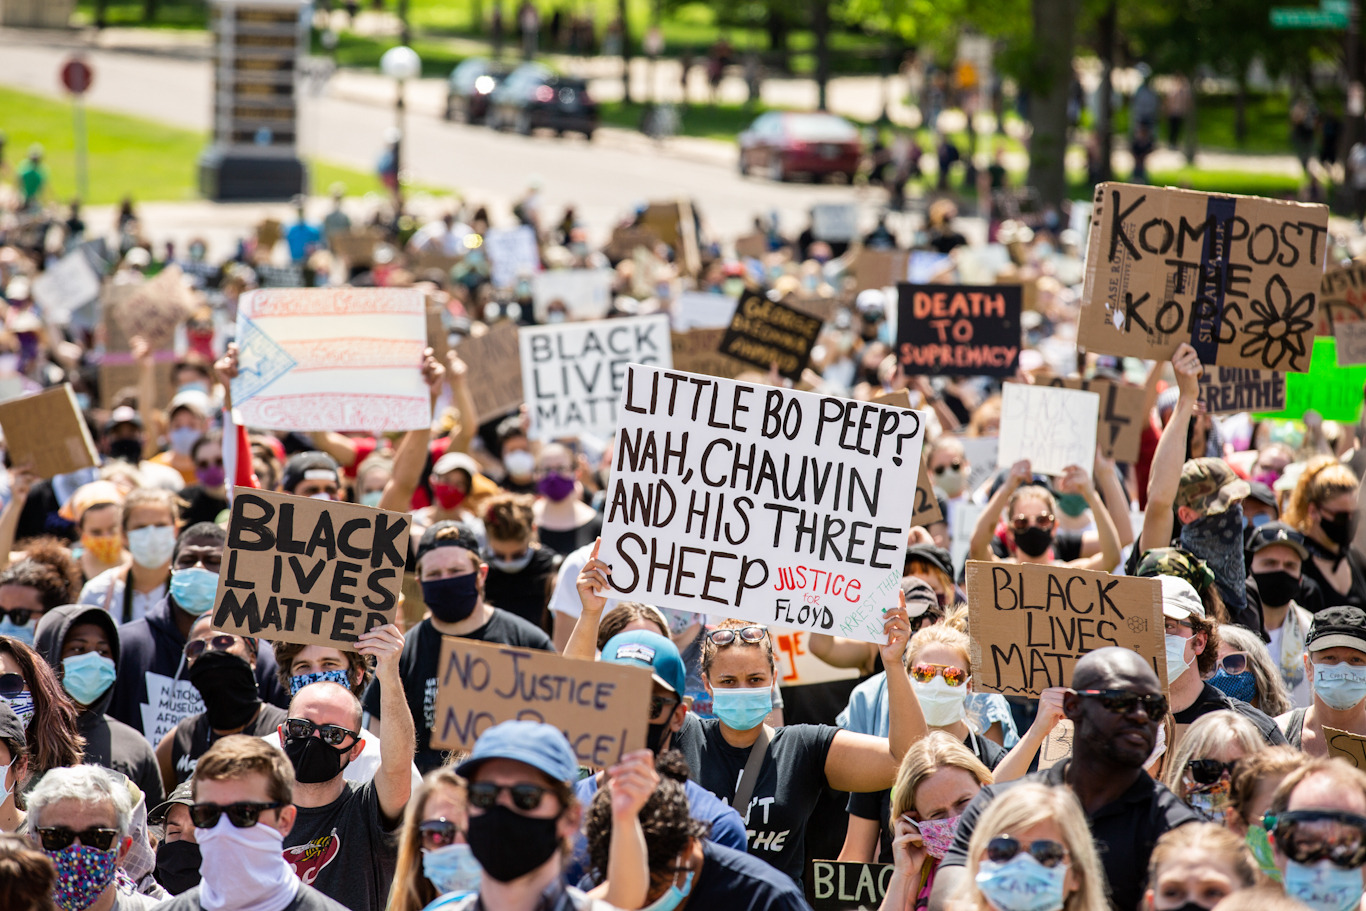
1115,708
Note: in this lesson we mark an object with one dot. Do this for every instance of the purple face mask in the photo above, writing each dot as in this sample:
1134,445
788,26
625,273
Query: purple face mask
937,834
211,476
1268,478
556,486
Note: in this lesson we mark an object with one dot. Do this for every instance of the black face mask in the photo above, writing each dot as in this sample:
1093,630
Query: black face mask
127,450
1276,589
452,599
178,866
228,687
1341,529
655,736
314,761
1033,540
1192,906
509,845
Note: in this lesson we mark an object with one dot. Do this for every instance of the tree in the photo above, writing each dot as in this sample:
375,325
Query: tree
1050,81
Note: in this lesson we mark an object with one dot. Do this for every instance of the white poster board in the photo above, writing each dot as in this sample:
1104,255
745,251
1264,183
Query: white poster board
512,253
797,665
585,293
702,310
981,455
1351,343
760,502
834,221
69,285
573,373
344,359
1051,426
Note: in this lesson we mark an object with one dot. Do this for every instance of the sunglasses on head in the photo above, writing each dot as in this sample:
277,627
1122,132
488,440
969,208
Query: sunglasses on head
1123,702
334,735
437,833
527,797
1020,523
220,643
243,815
1048,853
59,838
955,465
19,616
1309,836
1208,771
11,685
1234,663
746,633
953,676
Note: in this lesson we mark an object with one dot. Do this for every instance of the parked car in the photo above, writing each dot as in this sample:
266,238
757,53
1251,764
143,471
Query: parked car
471,84
780,144
533,97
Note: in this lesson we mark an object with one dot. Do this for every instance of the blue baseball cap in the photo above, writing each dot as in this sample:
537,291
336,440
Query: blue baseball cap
541,746
642,648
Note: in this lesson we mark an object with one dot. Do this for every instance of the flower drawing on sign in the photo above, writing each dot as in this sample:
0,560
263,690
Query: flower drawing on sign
1280,329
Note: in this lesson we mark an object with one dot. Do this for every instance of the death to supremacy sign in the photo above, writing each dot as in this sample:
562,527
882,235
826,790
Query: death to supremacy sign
956,329
759,502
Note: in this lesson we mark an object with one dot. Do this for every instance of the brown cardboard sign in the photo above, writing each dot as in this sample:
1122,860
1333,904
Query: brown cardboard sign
879,269
1235,276
625,240
751,246
357,248
47,432
602,708
765,332
495,370
1119,427
1030,623
1057,746
1342,298
317,572
1346,745
1229,390
154,309
696,351
927,510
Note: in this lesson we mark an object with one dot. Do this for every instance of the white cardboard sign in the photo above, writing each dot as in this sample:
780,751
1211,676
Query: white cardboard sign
512,252
1051,426
573,373
759,502
67,286
834,221
703,310
585,293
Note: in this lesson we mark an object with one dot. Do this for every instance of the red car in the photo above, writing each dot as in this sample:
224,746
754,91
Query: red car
780,144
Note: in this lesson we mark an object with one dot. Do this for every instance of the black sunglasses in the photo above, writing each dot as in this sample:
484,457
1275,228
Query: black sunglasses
746,633
12,685
484,794
955,465
1309,836
243,815
437,833
1208,771
658,705
220,643
59,838
334,735
1004,847
1123,702
19,616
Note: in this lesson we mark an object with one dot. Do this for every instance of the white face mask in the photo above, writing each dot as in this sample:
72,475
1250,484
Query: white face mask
4,774
244,869
941,703
151,546
1176,657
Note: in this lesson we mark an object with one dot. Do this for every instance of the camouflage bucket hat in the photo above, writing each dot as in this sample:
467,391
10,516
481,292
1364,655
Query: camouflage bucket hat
1175,561
1209,486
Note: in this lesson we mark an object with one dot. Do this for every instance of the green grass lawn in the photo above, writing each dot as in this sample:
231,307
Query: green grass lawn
128,155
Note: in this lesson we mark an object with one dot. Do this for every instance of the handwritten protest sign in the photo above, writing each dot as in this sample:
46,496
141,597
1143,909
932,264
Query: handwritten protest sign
879,268
119,371
1057,746
702,310
1235,276
1346,745
844,886
1351,344
47,432
1335,392
154,309
495,370
797,666
572,372
512,253
585,293
981,454
958,329
834,221
1051,427
926,509
696,352
673,222
1030,623
318,572
1229,390
760,502
602,708
1342,299
1119,426
279,276
765,332
341,358
68,285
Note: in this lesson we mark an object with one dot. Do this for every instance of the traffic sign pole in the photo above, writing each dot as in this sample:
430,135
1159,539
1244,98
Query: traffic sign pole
77,77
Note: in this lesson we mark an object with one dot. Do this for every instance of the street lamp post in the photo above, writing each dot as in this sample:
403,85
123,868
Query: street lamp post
400,64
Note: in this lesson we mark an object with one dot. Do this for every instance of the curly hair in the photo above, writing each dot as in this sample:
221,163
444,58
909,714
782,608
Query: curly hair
27,876
665,818
1206,660
53,587
53,739
1251,771
626,613
508,517
286,652
1323,478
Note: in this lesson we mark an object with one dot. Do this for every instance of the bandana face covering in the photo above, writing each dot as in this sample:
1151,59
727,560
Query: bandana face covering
299,681
105,548
1218,540
82,874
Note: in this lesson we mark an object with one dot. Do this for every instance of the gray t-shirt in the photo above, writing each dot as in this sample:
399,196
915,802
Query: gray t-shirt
344,850
135,902
308,899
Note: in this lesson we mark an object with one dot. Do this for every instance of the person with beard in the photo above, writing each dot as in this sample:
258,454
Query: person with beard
222,668
1115,706
452,577
151,693
1324,507
1275,580
81,644
521,571
564,522
1031,520
242,810
343,840
1335,662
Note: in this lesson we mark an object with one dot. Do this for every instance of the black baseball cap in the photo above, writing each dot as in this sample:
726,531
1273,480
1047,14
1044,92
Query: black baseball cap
183,795
448,534
929,553
1258,491
11,728
1338,626
1278,533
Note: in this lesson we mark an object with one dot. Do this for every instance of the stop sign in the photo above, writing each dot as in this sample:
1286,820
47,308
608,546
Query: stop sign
77,76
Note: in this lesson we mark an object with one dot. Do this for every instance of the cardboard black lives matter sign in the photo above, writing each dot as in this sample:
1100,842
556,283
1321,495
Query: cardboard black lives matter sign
317,572
959,330
765,332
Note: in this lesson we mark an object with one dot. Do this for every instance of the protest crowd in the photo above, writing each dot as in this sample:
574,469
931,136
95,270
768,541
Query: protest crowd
414,569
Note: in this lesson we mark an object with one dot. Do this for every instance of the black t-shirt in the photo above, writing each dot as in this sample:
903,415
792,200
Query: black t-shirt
737,881
345,850
1355,594
418,668
1124,831
524,593
1215,700
193,737
790,781
203,506
565,543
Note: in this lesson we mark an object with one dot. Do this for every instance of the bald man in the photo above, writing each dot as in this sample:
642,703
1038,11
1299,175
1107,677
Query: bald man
1115,706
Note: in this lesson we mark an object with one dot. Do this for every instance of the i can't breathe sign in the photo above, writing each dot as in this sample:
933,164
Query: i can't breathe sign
761,503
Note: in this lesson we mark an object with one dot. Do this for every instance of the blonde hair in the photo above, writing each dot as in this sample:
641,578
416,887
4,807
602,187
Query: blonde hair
983,414
1272,697
1323,478
1216,841
1278,760
411,890
946,633
1022,808
1032,492
925,757
1207,734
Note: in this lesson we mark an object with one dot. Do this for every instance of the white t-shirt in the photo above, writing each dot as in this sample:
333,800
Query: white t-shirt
97,592
565,598
363,767
1301,695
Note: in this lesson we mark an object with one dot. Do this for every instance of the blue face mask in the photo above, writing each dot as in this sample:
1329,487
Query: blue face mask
299,681
452,869
742,708
1239,686
1022,884
674,897
1323,886
23,633
1340,686
87,676
194,589
371,498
